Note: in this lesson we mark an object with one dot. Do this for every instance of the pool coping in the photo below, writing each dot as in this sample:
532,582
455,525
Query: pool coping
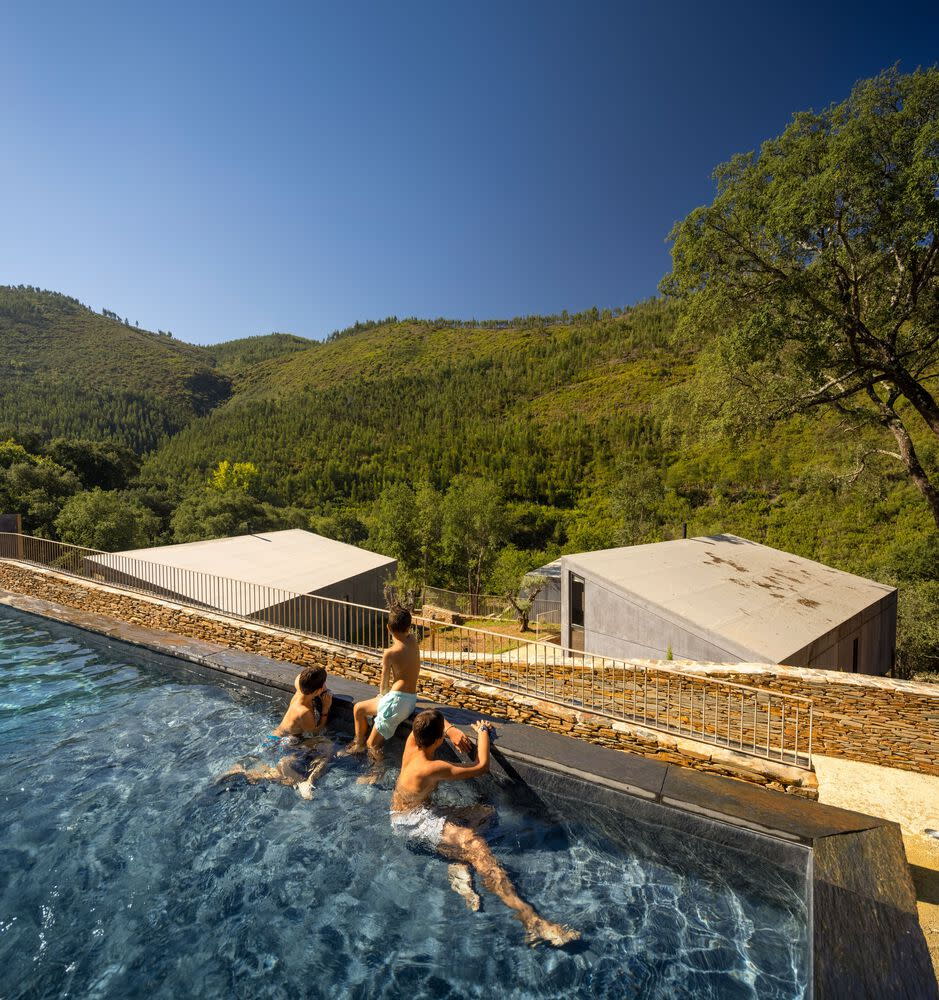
861,886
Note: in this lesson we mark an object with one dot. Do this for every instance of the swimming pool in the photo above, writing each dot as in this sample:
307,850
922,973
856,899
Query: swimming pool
127,871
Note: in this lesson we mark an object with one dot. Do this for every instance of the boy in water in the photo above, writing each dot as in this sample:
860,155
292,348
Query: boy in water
422,825
397,692
304,756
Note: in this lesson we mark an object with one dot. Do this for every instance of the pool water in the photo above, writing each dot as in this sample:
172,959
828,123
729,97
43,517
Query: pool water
127,871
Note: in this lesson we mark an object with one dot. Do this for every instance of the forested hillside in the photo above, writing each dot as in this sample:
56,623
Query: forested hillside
580,425
66,370
470,452
542,408
238,355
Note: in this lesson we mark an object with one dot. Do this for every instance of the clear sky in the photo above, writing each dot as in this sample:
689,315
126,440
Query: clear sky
227,169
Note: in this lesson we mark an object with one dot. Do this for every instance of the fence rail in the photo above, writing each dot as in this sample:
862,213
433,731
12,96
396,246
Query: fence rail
470,605
549,620
745,719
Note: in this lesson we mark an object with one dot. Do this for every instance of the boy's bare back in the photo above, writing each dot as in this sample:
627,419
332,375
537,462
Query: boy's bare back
420,775
403,662
298,718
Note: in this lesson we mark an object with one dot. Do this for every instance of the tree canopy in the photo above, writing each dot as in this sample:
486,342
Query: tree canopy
107,520
816,268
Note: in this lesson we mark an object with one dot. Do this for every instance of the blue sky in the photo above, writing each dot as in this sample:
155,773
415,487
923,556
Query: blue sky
227,169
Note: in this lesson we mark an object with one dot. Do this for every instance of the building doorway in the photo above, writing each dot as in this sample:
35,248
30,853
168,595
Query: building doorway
576,612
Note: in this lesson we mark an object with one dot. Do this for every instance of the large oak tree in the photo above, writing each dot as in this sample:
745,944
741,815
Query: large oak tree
817,268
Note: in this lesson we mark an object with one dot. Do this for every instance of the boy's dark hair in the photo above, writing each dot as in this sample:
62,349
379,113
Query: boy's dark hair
399,619
427,728
312,679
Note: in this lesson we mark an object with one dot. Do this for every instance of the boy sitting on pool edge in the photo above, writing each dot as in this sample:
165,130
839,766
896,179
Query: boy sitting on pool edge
452,833
397,691
303,756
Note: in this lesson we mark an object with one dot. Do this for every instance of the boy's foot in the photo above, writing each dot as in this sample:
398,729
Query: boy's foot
372,775
539,930
237,771
351,749
305,788
377,760
461,882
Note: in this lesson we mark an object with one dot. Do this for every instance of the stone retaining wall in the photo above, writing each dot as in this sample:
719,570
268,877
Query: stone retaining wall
870,719
876,720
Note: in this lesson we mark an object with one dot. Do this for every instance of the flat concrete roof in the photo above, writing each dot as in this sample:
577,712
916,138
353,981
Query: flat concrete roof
297,561
551,570
765,603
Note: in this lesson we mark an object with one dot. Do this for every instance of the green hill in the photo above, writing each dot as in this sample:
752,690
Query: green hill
69,371
536,406
568,417
238,355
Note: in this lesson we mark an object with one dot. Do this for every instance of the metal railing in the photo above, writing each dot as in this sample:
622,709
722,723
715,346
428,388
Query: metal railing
469,605
550,620
745,719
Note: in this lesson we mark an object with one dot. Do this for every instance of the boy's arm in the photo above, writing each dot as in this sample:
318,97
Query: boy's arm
445,771
385,681
458,738
326,703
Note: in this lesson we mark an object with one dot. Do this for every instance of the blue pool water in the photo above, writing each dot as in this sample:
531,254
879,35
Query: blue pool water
125,871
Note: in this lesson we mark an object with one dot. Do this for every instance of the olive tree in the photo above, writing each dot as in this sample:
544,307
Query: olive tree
514,579
816,271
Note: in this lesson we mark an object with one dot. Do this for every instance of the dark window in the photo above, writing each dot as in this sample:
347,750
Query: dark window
577,600
854,656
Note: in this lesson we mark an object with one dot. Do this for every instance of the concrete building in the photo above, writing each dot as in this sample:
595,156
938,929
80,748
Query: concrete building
725,599
551,591
262,576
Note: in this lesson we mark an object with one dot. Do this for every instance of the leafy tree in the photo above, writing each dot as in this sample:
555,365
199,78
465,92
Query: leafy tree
344,526
918,628
817,265
12,453
638,499
429,528
912,565
404,588
209,513
103,464
37,490
473,529
513,579
283,518
227,475
107,520
395,526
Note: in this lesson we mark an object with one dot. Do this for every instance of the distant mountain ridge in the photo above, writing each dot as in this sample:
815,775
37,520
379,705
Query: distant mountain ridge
238,355
66,370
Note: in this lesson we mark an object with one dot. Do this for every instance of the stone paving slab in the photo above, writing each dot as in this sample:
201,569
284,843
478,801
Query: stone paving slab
762,809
